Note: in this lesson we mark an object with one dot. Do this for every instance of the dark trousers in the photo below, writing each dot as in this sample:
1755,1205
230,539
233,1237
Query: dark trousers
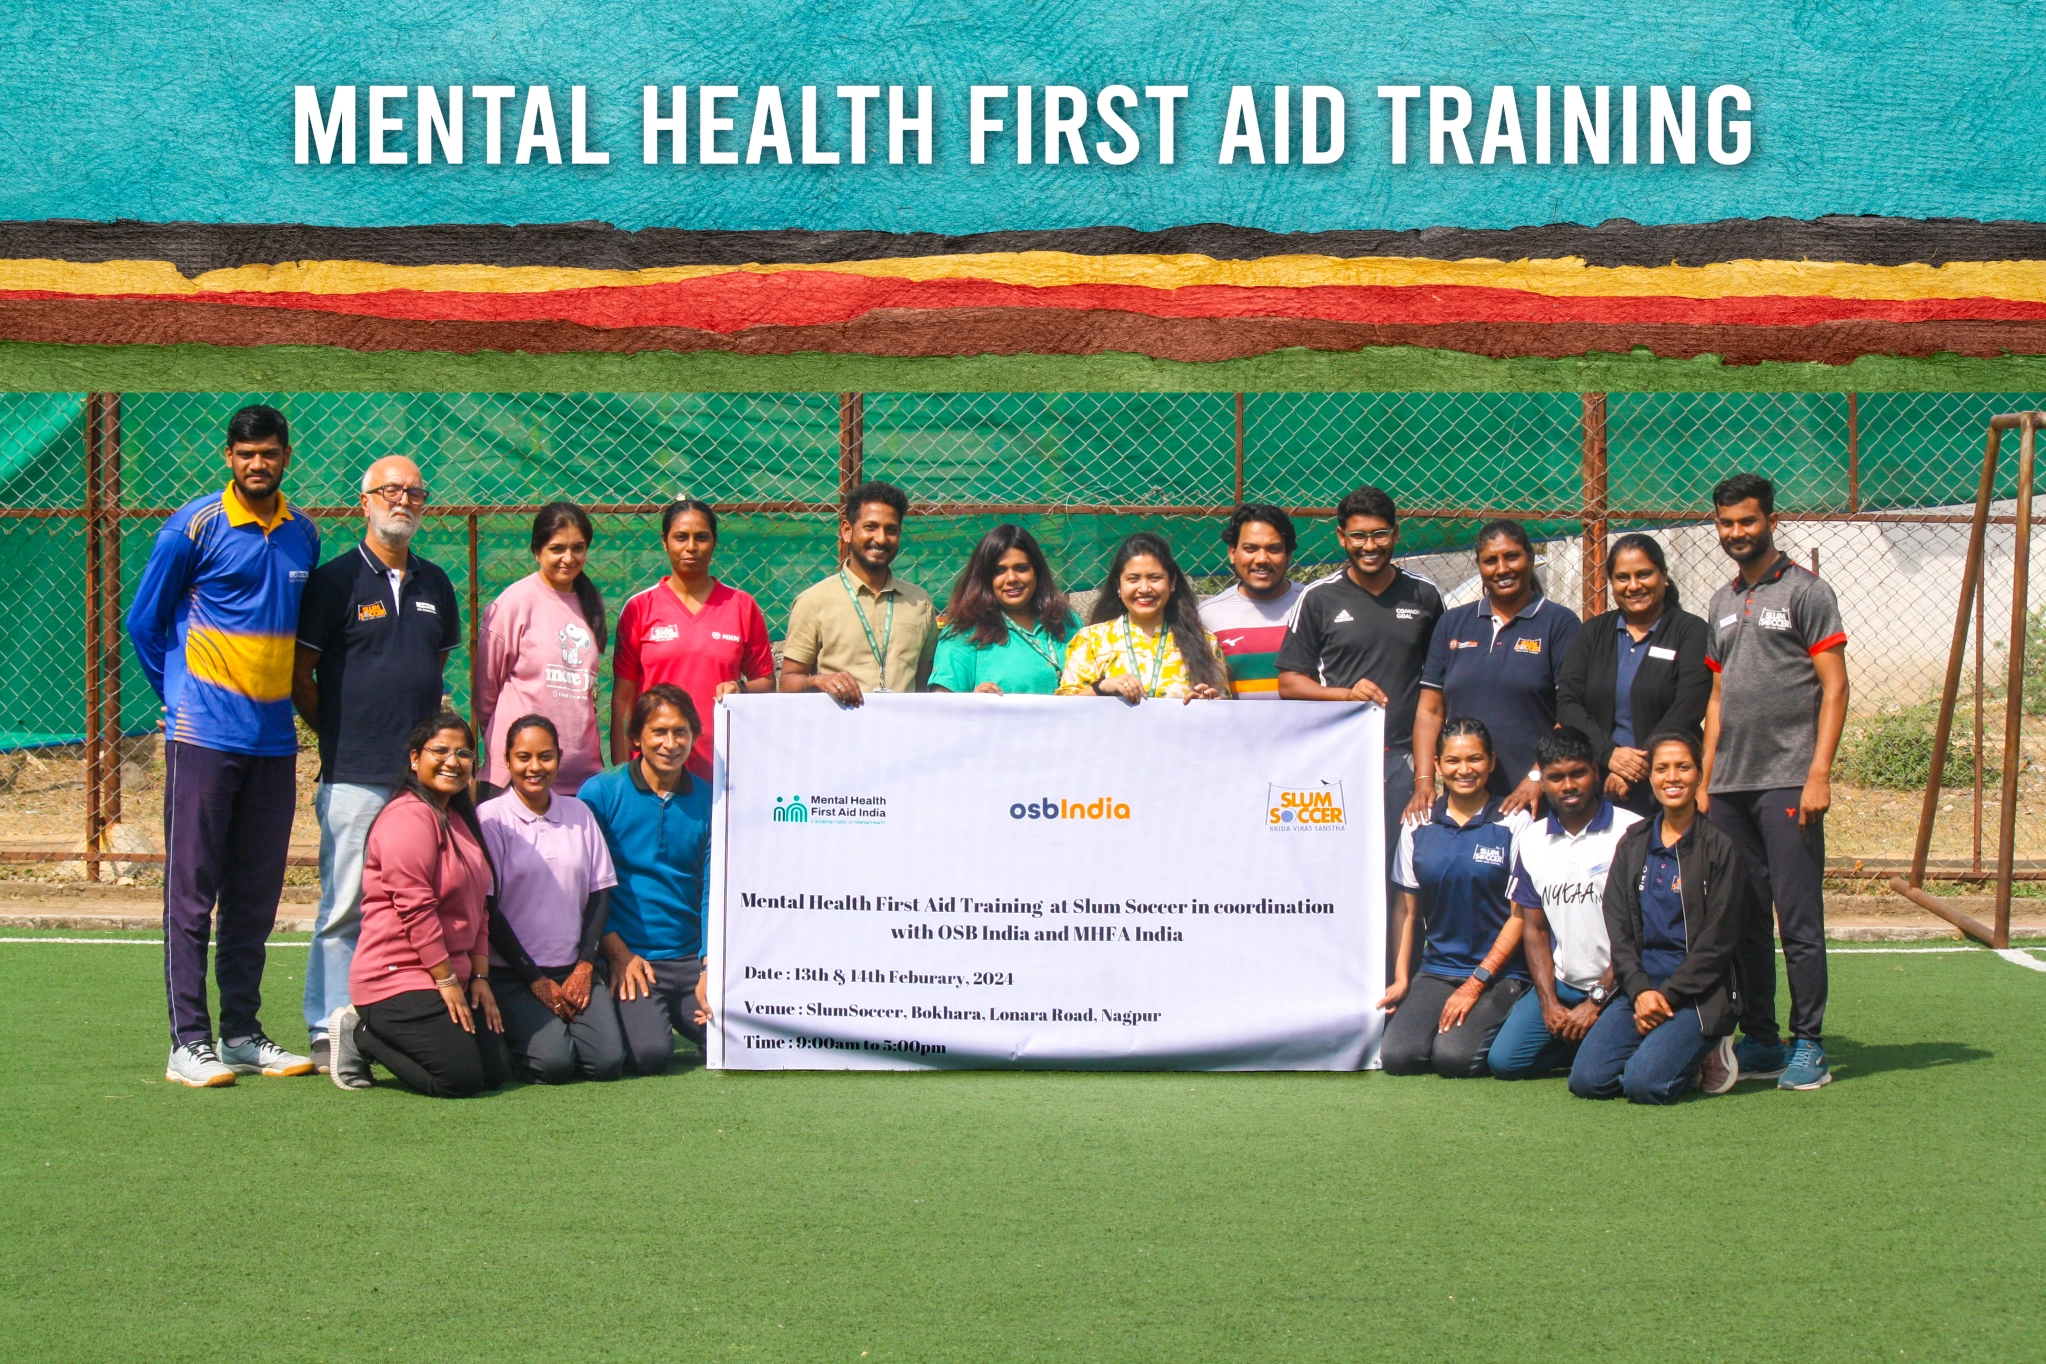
412,1035
1399,789
1414,1044
1616,1059
226,832
651,1021
1789,868
548,1051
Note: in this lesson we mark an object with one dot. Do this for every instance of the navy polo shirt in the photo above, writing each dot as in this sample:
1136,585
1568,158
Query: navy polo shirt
1633,653
380,660
1502,675
1459,873
1664,943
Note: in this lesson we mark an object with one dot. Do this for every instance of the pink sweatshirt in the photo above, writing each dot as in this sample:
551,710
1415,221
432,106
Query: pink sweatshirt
423,901
536,655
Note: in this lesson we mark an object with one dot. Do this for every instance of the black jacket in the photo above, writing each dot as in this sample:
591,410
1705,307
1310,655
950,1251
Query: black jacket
1718,897
1668,693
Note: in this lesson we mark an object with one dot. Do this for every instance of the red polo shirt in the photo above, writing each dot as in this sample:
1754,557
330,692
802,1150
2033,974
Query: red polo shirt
660,641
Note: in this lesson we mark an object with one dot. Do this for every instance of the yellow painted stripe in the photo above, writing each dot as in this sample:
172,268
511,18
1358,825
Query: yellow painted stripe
1567,277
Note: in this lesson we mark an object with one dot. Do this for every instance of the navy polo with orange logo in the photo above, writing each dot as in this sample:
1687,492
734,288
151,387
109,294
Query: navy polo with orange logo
1504,675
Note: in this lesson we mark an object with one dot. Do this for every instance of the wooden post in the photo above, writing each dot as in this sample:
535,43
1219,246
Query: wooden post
1597,502
852,442
2014,701
1239,449
1971,592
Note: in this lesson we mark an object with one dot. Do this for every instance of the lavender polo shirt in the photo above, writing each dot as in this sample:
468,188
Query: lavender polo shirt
547,867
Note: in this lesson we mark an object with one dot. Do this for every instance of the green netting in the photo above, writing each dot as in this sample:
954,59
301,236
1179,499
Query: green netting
1087,464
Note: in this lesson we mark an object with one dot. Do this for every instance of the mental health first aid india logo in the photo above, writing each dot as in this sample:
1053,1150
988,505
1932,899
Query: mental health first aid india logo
1300,809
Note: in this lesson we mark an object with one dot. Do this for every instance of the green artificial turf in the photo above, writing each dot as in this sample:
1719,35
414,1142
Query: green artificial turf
1899,1214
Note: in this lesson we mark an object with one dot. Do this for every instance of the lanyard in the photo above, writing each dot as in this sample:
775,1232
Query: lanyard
880,651
1129,644
1056,664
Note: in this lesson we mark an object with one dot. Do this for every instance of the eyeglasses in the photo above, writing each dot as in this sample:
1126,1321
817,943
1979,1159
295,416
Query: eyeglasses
1370,537
394,493
442,752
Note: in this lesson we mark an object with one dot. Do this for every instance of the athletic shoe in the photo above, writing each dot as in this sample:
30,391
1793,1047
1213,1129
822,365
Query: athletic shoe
1761,1060
258,1055
1807,1068
322,1055
196,1065
1720,1069
349,1068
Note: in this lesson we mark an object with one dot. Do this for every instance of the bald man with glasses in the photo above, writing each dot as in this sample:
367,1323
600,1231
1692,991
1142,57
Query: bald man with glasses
375,630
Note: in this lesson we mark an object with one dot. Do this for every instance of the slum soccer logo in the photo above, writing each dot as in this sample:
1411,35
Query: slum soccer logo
791,811
1304,809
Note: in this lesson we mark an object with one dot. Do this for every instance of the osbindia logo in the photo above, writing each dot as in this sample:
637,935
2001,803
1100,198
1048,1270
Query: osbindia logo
1304,807
1107,807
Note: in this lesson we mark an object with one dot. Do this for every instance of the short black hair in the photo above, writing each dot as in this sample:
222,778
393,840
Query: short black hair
887,494
258,422
664,694
1563,746
1373,502
1741,487
1265,512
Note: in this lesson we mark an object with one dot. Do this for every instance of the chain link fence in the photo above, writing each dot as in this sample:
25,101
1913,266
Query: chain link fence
1876,488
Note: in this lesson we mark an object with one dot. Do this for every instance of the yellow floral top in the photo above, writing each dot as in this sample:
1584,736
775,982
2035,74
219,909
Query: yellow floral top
1114,647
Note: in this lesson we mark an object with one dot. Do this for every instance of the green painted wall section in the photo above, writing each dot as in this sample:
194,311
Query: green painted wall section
33,367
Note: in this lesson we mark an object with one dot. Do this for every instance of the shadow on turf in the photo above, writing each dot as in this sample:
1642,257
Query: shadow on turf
1852,1061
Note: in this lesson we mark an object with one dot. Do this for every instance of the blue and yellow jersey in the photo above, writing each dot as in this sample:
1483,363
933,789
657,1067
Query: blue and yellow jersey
214,620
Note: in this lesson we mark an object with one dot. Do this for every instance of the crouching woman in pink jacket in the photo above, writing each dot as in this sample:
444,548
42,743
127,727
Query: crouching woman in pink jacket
419,985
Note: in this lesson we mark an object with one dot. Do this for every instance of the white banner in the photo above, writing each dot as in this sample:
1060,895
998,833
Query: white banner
1010,881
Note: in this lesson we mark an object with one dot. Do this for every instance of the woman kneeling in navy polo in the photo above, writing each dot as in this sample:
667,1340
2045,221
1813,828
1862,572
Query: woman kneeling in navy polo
1676,897
1452,871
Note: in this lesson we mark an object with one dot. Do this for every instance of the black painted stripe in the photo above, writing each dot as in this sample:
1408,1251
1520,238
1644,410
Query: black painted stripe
198,247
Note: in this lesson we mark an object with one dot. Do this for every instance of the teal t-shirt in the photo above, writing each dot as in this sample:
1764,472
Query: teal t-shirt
1027,664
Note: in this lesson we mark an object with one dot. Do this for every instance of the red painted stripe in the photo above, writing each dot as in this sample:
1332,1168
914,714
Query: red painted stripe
733,302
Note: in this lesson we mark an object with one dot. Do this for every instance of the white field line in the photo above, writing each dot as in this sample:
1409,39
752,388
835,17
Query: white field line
2022,958
130,942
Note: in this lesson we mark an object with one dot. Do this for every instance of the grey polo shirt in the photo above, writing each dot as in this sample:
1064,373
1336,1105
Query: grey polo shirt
1762,641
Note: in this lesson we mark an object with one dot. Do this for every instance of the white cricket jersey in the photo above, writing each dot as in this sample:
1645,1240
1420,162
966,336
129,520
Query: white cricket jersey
1564,875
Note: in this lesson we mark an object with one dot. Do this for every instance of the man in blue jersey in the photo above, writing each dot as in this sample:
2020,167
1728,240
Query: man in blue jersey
656,822
212,623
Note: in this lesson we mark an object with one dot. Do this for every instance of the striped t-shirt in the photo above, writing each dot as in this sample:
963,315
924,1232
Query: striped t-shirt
1251,632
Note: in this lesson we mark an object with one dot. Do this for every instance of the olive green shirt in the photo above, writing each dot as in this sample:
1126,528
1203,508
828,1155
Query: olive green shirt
826,633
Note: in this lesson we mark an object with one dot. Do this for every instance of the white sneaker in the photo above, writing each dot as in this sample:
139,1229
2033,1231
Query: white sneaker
195,1065
1720,1070
347,1066
258,1055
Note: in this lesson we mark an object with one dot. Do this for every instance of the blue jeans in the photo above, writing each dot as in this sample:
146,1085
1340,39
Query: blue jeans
345,811
1525,1047
1615,1059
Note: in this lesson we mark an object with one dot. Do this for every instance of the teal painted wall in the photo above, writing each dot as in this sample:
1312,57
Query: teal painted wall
183,111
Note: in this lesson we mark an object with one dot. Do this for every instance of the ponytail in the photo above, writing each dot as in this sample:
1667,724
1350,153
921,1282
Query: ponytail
589,601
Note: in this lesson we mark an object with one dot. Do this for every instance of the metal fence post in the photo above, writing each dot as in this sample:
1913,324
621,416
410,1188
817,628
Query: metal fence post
1239,449
1853,452
475,597
102,627
1597,501
852,442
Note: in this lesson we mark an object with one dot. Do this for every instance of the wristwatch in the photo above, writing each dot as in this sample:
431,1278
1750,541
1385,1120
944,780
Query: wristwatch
1482,976
1600,995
